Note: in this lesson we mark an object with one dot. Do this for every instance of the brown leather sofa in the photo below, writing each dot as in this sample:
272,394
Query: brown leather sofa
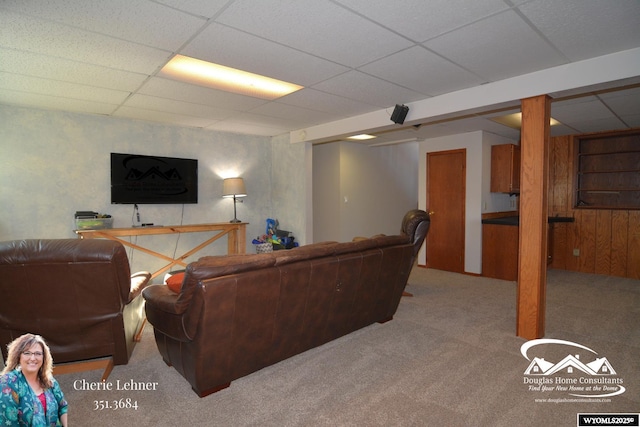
79,295
237,314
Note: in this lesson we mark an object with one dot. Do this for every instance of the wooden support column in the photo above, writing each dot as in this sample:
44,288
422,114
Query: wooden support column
532,264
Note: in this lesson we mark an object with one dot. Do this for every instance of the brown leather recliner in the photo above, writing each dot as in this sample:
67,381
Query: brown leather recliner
79,295
416,225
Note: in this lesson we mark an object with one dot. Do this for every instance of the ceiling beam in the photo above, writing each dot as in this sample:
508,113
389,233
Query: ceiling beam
601,70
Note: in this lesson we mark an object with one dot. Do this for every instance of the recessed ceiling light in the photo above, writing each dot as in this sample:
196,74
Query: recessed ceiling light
515,120
362,137
203,73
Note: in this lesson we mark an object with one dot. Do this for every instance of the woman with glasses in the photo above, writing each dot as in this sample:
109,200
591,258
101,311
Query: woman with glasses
29,395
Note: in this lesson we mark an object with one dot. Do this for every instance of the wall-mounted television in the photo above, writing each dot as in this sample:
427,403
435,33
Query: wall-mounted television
141,179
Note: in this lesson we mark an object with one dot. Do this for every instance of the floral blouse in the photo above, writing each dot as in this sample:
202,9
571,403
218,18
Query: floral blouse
19,405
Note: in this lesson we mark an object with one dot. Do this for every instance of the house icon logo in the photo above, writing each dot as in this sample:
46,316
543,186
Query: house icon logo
578,370
570,364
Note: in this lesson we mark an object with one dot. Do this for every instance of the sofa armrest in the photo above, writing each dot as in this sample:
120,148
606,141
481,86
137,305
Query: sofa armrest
163,313
161,298
139,281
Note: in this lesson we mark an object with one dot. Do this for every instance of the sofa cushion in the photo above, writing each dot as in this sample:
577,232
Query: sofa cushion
174,281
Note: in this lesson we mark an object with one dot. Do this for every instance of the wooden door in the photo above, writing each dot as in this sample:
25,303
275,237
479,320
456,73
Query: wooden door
446,175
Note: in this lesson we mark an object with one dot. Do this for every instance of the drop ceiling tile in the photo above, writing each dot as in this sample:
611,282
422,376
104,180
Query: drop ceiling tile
147,23
267,121
573,100
318,27
289,112
497,48
623,103
162,117
49,87
575,110
233,48
631,91
172,89
631,120
34,35
585,29
153,103
588,125
36,65
422,71
331,104
419,20
206,8
47,102
288,41
368,89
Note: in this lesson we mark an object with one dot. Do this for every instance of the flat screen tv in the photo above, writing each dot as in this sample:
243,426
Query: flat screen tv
139,179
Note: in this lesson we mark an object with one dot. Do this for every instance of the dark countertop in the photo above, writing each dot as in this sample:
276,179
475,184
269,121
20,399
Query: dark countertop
515,220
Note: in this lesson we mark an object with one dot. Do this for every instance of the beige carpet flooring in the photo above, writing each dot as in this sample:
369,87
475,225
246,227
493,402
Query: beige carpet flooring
449,357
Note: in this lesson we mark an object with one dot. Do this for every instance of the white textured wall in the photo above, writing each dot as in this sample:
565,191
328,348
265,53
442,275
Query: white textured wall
362,191
379,186
326,193
291,187
54,163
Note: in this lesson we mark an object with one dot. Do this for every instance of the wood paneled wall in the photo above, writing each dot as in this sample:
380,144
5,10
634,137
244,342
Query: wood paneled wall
608,241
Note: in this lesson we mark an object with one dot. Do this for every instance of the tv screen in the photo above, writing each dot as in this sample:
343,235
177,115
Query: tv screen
138,179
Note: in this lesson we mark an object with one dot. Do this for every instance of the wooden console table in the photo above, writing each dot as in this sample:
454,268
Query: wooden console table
235,232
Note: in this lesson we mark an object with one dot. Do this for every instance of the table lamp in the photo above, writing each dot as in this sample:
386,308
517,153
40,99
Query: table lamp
234,187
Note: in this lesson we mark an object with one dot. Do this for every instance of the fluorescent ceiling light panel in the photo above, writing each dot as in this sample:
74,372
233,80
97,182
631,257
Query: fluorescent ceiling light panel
399,141
361,137
203,73
515,120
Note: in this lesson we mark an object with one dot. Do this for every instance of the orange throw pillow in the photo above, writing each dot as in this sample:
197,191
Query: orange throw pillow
175,282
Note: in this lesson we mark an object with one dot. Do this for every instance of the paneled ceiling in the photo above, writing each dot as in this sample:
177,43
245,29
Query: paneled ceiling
353,57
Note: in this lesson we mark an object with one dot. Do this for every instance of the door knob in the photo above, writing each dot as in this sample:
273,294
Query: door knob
431,213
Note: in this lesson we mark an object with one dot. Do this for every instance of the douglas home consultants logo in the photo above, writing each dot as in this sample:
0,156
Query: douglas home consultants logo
558,367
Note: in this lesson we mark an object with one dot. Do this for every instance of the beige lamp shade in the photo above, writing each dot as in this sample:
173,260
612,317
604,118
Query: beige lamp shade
233,187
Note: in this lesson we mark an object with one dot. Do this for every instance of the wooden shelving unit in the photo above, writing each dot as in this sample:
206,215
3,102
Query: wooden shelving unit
608,170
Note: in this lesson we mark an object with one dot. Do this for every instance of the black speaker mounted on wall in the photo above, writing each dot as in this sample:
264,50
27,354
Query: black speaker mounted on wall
399,113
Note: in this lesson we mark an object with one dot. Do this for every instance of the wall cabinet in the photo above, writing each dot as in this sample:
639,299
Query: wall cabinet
505,168
608,171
